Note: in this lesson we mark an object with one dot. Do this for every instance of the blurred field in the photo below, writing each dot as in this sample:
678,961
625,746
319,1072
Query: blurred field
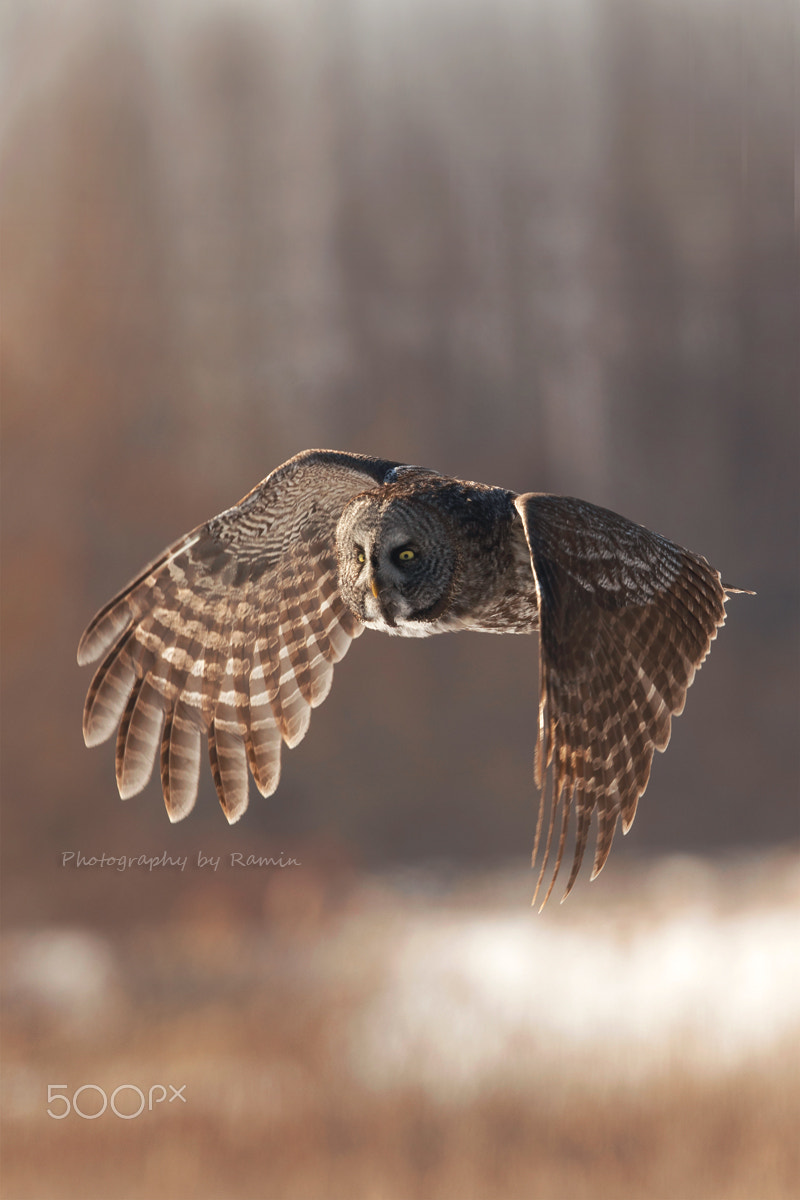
548,245
395,1038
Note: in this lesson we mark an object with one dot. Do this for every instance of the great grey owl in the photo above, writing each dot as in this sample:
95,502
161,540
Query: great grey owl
233,631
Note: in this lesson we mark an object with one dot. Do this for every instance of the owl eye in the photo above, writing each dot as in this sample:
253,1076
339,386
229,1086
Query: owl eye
360,555
405,555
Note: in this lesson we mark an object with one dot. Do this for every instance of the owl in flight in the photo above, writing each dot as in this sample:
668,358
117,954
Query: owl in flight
230,636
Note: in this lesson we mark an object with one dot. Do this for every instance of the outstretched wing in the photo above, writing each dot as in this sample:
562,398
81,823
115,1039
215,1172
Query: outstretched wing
626,618
231,633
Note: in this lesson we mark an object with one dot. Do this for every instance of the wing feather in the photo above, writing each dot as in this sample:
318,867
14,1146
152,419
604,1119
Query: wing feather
180,760
234,631
626,619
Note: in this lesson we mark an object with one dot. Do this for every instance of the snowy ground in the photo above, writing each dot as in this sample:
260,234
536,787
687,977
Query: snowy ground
470,998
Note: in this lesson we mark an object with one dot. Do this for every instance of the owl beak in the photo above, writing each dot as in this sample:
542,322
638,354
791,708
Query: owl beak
385,611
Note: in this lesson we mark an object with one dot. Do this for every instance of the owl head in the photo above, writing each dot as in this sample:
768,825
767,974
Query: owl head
397,561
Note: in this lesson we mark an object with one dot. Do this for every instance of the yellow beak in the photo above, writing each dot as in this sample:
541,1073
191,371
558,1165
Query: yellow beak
374,587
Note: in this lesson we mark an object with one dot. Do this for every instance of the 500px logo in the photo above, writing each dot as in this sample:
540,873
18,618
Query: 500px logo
155,1095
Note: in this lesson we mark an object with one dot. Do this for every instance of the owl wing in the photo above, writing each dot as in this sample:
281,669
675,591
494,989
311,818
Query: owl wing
626,618
232,632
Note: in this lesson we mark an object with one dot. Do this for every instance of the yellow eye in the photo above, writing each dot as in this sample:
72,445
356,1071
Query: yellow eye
361,556
406,555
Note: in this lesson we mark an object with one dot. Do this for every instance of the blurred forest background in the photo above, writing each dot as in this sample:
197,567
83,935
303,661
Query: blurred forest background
546,244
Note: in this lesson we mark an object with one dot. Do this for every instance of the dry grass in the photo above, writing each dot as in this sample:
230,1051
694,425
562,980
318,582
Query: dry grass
679,1140
268,1028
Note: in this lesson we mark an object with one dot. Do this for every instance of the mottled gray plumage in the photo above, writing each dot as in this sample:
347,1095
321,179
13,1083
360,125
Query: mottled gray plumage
232,633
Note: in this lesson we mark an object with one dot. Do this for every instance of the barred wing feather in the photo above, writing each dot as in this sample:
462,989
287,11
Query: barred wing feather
230,636
626,617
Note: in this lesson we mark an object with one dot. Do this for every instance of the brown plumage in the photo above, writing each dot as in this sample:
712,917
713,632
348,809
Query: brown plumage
230,636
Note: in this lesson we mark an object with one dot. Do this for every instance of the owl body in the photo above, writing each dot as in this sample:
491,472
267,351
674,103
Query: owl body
228,639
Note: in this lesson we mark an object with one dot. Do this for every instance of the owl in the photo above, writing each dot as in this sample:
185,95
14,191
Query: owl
230,636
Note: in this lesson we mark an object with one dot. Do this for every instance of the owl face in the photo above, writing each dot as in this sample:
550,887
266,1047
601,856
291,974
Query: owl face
397,563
